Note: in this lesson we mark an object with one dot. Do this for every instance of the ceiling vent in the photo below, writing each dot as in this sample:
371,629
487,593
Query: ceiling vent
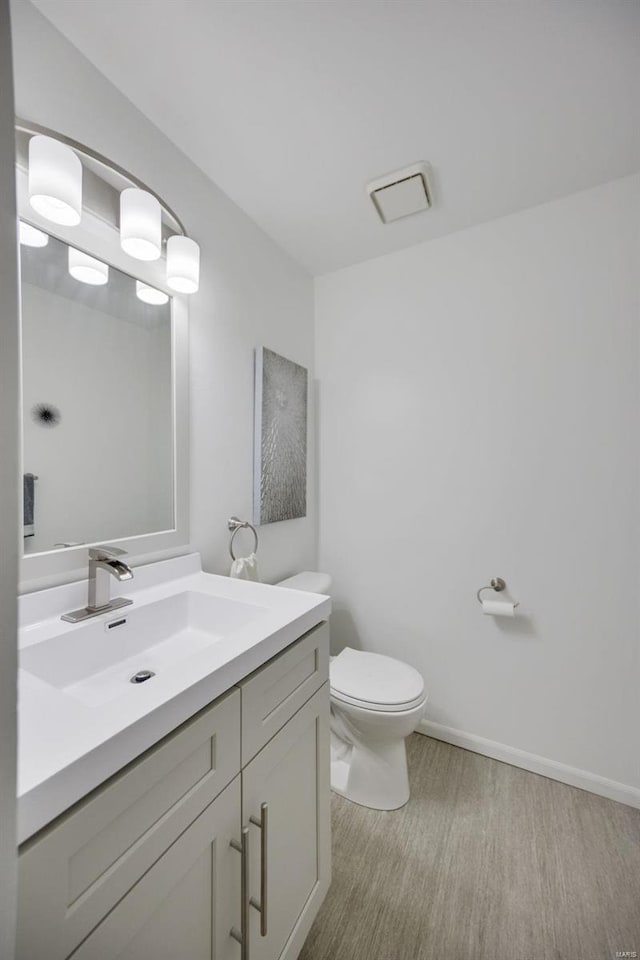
402,193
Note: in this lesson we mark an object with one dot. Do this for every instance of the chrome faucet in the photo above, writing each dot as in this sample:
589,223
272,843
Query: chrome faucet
104,563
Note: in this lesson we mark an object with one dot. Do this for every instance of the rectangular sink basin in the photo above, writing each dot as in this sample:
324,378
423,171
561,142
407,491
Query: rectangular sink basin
95,662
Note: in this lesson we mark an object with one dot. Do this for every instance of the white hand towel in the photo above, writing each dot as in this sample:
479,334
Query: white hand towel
245,568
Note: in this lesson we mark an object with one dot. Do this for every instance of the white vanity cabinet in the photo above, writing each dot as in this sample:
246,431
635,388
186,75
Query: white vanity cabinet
144,866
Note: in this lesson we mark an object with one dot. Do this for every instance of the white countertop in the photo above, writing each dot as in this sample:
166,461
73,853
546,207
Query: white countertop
66,748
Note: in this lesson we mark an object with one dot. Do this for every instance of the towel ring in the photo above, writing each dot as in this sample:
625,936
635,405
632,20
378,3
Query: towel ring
233,523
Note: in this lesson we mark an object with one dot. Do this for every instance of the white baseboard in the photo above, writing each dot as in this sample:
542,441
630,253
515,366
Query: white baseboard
530,761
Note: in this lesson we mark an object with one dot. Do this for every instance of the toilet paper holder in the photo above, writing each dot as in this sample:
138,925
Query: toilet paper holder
497,584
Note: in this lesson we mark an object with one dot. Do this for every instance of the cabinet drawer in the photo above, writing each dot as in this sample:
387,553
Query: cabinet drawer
74,872
272,694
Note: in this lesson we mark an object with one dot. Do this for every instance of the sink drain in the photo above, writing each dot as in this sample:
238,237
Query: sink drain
141,676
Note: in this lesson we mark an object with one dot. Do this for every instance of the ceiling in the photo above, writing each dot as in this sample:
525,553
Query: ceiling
292,106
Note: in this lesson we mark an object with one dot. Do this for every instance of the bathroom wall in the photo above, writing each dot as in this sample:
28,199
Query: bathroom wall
8,496
479,399
251,292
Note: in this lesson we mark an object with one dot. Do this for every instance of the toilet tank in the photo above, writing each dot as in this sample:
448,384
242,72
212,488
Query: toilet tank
309,580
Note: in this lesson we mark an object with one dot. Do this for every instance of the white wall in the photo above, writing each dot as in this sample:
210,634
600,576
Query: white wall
479,400
110,378
8,496
251,292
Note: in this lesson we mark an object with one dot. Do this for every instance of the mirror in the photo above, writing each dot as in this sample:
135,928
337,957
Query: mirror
97,404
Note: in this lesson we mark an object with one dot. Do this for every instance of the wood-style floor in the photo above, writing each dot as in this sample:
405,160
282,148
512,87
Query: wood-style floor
485,862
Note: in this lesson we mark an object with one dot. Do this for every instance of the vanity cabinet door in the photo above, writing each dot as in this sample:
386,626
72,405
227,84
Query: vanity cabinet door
290,775
187,903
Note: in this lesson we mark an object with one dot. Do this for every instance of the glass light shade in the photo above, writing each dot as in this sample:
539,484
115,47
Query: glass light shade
140,224
183,264
151,294
55,181
31,236
87,269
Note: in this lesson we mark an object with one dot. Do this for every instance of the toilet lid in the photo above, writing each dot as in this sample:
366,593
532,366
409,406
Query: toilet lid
370,678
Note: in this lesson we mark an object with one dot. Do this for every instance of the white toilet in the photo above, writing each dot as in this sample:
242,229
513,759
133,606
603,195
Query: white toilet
376,702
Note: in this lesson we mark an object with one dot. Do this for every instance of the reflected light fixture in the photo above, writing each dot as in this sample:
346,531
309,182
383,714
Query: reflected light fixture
140,224
183,264
87,269
151,294
55,181
31,236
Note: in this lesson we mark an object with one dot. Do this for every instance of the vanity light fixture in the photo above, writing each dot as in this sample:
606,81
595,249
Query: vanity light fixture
140,224
87,269
183,264
55,181
151,294
55,189
31,236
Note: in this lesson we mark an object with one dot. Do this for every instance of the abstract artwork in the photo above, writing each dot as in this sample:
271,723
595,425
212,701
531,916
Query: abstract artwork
280,451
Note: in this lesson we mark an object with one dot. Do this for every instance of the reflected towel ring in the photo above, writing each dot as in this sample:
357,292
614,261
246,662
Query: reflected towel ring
233,523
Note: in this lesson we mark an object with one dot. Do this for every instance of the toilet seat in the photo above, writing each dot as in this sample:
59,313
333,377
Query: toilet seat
377,707
374,682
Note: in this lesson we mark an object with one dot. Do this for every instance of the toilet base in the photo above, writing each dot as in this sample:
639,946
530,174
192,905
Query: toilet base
371,778
339,776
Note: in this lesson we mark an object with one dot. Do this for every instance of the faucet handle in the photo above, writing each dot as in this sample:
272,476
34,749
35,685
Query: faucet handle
106,553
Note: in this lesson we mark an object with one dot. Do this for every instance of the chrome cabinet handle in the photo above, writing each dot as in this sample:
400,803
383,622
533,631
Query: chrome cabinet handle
242,935
263,824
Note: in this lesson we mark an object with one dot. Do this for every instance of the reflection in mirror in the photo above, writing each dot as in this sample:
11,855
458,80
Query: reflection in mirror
97,410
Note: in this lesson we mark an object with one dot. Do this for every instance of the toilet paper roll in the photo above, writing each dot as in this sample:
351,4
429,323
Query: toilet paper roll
499,608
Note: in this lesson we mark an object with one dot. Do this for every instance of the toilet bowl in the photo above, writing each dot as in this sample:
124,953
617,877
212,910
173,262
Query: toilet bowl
376,702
